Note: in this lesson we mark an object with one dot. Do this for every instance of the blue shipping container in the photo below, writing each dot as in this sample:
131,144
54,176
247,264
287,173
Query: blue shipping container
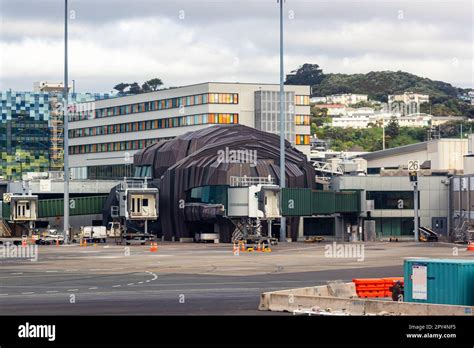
441,281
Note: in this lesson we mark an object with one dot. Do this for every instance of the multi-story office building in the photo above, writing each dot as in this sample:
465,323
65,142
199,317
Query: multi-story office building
346,99
104,139
409,97
28,130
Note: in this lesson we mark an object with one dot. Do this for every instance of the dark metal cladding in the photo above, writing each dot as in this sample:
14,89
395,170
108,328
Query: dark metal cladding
192,160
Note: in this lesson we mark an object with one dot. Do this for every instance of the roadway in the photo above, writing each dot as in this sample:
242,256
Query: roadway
184,279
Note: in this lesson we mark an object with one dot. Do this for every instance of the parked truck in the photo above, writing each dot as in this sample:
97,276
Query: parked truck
93,234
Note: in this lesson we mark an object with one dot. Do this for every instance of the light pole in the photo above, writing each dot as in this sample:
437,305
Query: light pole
65,130
383,132
282,129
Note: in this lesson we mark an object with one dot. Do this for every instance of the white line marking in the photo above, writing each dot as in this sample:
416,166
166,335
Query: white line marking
27,293
93,288
131,284
52,291
116,286
72,289
18,273
51,271
140,282
3,294
147,281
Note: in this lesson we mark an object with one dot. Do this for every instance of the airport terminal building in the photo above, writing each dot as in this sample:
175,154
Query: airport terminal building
104,138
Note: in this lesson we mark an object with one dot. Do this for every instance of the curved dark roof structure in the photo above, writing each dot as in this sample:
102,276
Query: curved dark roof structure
210,156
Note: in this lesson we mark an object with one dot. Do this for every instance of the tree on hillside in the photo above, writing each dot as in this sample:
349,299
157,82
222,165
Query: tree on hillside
307,74
392,130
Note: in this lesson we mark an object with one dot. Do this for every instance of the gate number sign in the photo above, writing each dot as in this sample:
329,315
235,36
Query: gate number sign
413,166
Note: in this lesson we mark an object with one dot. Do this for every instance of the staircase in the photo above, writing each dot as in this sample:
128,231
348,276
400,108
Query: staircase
464,232
5,229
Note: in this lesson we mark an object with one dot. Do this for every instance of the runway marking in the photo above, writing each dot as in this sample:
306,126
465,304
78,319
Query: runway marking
52,291
51,271
27,293
116,286
131,284
147,281
18,273
93,288
72,289
3,294
140,282
153,274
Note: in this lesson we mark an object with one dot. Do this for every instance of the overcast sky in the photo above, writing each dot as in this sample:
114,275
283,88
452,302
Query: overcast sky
191,41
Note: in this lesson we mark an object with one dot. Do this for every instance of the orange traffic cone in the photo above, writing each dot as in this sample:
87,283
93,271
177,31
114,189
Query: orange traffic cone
57,242
153,247
85,242
259,247
243,247
470,246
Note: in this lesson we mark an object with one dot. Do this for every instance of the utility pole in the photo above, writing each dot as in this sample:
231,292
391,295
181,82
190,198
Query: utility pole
65,130
282,129
383,133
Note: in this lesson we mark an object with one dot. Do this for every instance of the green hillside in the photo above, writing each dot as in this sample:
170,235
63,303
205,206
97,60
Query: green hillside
379,84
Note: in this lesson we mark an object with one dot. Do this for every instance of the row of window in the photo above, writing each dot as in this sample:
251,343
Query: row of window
302,139
302,99
171,122
113,146
303,120
163,104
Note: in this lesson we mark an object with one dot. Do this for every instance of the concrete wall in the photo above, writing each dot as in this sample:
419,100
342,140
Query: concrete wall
398,160
444,154
447,154
322,297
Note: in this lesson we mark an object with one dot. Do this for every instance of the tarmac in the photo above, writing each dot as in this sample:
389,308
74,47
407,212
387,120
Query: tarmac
187,279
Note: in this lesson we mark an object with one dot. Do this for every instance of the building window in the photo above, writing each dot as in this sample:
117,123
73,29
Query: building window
171,122
303,120
302,100
392,199
394,226
302,139
198,99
